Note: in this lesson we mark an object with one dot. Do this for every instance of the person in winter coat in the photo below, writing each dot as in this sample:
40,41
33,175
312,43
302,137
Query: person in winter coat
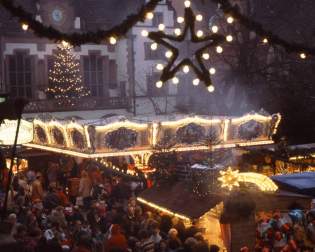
116,239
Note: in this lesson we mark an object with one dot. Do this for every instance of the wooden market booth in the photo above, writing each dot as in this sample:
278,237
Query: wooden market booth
210,214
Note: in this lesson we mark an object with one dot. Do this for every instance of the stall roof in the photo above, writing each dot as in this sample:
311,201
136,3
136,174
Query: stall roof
302,183
179,199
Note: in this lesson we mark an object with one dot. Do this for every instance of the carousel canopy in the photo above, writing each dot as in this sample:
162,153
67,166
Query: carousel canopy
120,136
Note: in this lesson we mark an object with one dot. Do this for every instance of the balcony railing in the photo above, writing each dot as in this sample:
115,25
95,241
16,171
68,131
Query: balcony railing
88,103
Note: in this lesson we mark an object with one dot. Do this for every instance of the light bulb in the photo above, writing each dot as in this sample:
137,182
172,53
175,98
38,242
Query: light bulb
186,69
212,71
303,56
230,20
199,33
112,40
265,41
215,29
159,67
159,84
175,80
196,82
168,54
219,49
180,20
211,88
187,3
205,56
161,27
177,31
144,33
229,38
154,46
199,17
149,15
24,27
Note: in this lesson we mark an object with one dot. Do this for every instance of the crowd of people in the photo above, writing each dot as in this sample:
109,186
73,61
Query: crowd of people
45,213
286,232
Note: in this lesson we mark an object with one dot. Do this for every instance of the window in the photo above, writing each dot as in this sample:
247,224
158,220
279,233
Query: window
20,75
152,54
152,90
157,19
112,74
93,66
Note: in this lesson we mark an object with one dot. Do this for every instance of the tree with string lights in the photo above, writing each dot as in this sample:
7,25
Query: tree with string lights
65,78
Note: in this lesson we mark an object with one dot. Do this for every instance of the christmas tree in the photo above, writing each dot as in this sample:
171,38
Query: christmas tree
65,78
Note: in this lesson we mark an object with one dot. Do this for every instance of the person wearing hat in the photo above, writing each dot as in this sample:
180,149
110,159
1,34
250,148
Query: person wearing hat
37,188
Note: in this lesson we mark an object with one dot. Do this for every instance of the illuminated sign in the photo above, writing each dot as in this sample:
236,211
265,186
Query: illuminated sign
8,130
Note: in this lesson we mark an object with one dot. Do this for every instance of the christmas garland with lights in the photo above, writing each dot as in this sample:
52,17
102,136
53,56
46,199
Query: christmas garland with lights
269,37
27,19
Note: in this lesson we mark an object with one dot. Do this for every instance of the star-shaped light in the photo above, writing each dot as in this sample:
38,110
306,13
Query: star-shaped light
182,58
229,178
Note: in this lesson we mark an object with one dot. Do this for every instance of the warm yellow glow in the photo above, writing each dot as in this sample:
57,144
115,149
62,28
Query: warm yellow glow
199,17
161,27
187,3
231,179
159,67
199,33
265,40
186,69
154,46
149,15
112,40
8,130
219,49
65,44
159,84
303,56
144,33
126,124
155,131
206,56
62,128
248,117
177,31
277,124
212,70
44,126
211,88
187,120
229,38
230,20
175,80
196,82
180,20
168,54
25,27
215,29
226,130
302,157
162,209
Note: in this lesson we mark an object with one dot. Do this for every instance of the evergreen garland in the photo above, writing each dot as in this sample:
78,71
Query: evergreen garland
76,38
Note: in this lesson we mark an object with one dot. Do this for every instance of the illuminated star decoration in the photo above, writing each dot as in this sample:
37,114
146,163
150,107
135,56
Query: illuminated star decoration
194,60
229,178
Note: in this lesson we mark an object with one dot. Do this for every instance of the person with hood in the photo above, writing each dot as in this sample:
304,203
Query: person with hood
116,239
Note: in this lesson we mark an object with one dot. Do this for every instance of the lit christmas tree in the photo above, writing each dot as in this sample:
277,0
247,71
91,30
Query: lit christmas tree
65,78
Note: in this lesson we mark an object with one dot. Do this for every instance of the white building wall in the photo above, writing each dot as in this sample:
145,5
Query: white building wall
144,67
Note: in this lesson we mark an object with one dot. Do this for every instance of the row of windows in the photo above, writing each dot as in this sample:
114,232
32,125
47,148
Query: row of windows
98,74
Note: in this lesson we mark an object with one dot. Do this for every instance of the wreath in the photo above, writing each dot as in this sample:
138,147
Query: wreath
76,38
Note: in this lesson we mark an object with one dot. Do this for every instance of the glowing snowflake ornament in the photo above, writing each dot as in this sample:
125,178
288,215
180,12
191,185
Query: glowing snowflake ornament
229,178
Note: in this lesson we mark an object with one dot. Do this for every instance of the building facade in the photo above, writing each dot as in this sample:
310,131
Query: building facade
121,77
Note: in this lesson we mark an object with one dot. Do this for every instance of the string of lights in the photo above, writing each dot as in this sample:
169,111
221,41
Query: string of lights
232,13
28,22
